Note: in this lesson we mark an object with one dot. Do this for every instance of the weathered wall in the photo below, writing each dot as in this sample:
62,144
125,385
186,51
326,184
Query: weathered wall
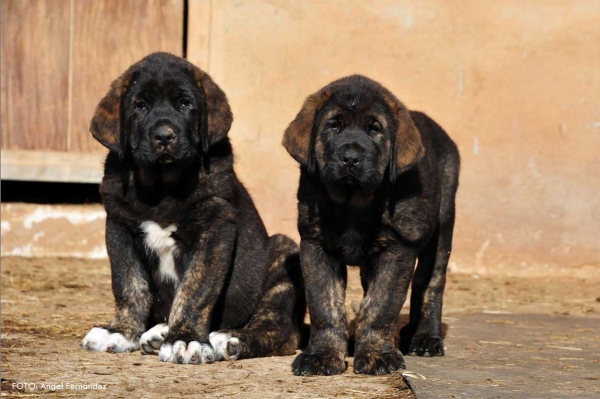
58,59
516,84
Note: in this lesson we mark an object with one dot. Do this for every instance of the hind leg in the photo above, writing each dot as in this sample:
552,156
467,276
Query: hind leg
423,335
274,329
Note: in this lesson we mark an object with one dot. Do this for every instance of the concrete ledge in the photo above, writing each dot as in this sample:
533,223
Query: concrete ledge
33,230
52,166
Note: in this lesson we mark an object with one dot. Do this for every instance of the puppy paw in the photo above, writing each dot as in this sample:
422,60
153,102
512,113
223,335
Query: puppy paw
376,363
181,353
309,365
151,340
225,346
102,340
425,345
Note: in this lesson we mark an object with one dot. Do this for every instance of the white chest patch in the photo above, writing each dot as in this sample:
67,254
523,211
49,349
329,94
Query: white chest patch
159,240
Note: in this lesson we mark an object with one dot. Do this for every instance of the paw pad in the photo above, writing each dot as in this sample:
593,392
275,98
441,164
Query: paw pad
151,340
102,340
182,353
225,346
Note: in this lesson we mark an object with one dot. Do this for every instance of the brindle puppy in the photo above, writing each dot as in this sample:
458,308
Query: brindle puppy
377,190
189,253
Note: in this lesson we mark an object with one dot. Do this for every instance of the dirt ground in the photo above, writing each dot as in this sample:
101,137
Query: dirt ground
49,304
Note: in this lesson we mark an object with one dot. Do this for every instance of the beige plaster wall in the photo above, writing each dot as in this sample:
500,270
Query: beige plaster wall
516,84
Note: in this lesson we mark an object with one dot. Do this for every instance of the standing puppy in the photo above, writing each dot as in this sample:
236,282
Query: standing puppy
189,253
377,188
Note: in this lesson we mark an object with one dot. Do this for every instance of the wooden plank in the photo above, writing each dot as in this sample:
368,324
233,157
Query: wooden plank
52,166
198,34
35,67
108,37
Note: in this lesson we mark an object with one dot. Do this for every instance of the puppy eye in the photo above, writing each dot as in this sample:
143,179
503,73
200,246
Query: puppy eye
334,125
185,103
375,127
139,105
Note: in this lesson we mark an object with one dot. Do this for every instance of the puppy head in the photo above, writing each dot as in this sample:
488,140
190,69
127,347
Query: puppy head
162,110
354,131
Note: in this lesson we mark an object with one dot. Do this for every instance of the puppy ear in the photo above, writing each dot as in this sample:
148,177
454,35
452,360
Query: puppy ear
106,125
216,113
407,146
299,136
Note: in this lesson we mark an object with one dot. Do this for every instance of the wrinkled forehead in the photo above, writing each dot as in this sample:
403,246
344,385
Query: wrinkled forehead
357,105
165,81
161,67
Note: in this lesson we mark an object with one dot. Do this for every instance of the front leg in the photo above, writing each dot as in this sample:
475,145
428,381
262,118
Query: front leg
189,321
131,291
387,277
325,280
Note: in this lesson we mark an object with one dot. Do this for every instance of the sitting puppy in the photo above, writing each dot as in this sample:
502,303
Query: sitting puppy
189,253
377,190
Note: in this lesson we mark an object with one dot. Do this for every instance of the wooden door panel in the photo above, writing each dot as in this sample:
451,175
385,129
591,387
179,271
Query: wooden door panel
35,74
199,33
108,37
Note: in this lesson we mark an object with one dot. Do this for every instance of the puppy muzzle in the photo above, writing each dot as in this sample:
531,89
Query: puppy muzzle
350,162
163,136
164,140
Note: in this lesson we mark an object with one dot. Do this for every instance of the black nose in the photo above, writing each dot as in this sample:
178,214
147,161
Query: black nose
164,135
351,157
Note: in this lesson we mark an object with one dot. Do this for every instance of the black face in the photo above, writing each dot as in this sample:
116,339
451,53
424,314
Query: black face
352,143
162,111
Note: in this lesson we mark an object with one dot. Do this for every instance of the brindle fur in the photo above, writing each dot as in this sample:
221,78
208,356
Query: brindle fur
377,189
232,275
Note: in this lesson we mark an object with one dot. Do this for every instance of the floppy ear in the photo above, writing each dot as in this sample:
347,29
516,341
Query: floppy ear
298,139
216,113
106,126
407,146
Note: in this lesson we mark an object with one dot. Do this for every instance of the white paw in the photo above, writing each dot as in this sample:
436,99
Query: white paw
151,340
226,347
102,340
192,353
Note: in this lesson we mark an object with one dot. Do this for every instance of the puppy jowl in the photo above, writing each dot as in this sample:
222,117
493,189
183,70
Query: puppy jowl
377,190
189,253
